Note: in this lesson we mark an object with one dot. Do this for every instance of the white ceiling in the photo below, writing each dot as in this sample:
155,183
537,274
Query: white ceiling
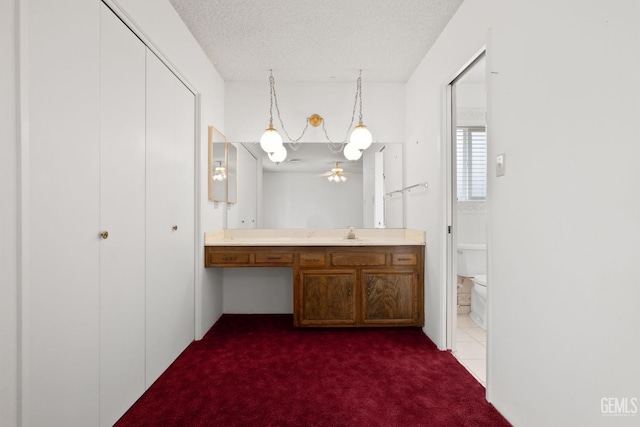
325,40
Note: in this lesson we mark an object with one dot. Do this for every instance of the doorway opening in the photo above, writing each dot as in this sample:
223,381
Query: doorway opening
467,218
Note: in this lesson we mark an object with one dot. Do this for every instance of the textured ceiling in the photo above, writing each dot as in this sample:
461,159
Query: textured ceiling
323,40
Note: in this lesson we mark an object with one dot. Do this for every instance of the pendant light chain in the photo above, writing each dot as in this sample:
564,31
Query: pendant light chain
294,144
359,93
334,147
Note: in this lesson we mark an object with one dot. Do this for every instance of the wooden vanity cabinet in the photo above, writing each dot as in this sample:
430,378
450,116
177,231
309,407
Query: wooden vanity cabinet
361,286
339,286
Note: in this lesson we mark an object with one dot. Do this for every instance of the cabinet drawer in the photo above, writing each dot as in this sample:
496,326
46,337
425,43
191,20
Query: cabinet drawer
217,258
311,259
354,258
404,259
274,258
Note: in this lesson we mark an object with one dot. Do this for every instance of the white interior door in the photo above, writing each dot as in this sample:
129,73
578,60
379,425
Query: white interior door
122,215
170,218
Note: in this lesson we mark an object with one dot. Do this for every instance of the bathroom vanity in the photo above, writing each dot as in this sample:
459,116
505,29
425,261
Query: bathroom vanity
375,279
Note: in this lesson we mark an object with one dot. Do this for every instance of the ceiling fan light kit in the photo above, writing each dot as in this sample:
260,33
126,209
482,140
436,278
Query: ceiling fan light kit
359,139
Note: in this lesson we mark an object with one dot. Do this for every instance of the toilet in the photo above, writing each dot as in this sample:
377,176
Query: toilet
479,300
472,263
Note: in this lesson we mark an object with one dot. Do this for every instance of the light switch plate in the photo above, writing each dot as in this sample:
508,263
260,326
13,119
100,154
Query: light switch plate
500,164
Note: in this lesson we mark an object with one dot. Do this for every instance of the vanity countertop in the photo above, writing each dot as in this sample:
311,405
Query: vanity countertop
315,237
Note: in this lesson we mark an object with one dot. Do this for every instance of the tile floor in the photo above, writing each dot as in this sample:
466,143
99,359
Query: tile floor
471,347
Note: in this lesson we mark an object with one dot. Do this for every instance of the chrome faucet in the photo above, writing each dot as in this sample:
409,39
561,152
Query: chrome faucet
351,234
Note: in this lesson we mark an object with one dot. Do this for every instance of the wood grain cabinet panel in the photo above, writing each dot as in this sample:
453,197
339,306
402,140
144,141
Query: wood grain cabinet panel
221,258
389,296
312,259
274,258
327,298
404,259
341,259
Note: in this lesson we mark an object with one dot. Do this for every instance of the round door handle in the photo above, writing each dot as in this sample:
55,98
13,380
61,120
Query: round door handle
104,234
175,228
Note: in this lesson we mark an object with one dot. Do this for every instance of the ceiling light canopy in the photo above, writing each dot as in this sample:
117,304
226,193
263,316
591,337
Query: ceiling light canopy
359,139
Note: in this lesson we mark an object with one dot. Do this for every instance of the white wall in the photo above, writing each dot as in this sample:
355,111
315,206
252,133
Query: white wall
302,200
425,136
472,222
258,290
564,233
8,215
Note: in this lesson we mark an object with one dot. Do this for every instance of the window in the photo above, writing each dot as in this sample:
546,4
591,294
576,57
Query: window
471,163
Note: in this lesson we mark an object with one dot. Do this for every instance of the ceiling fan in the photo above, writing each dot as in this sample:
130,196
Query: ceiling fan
336,174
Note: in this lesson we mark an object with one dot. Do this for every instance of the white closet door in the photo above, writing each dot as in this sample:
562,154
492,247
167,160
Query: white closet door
122,215
59,342
170,218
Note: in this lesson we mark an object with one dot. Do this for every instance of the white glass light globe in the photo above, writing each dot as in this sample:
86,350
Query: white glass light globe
270,140
351,152
343,178
361,137
278,155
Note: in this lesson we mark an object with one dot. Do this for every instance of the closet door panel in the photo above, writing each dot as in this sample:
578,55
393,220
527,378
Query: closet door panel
183,294
59,298
170,199
122,215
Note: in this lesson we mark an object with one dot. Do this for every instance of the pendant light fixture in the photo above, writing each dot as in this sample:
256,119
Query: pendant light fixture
220,172
359,139
271,139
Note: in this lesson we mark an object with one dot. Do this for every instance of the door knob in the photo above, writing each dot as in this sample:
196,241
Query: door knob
175,228
104,234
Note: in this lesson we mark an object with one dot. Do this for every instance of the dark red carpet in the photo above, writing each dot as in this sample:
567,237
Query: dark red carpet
257,370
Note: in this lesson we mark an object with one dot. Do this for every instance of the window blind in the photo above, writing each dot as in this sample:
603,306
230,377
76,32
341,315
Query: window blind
471,163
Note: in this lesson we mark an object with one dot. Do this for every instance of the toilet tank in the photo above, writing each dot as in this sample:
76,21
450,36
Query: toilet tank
472,259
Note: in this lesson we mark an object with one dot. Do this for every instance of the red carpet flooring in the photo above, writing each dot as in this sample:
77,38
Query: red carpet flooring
257,370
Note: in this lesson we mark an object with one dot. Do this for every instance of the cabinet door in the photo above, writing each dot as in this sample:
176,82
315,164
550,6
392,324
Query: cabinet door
327,298
122,214
169,219
389,297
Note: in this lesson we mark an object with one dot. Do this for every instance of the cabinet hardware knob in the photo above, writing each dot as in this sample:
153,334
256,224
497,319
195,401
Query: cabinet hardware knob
349,291
175,228
227,258
104,234
404,259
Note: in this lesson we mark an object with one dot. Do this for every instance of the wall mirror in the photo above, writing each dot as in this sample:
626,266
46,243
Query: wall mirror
298,194
223,168
232,173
